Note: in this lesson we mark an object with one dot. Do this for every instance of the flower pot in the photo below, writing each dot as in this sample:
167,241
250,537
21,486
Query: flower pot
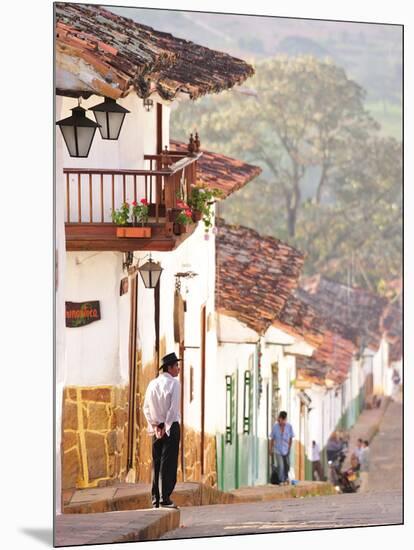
197,215
173,213
179,228
134,232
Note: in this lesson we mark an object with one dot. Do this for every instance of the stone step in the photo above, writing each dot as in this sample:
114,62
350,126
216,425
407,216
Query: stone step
276,492
112,527
137,496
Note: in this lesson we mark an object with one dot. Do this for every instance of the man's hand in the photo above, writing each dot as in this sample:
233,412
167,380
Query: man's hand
159,432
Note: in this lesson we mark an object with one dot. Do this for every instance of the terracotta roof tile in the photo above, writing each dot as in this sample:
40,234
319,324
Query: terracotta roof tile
300,319
255,275
124,53
332,359
218,171
351,312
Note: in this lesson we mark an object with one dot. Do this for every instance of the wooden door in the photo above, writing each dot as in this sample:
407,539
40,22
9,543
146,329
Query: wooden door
132,398
203,385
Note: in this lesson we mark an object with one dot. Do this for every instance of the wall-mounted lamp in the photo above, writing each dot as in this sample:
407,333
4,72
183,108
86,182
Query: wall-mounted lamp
78,132
148,104
110,117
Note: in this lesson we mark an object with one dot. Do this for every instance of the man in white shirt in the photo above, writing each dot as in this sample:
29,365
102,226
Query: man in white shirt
162,411
316,463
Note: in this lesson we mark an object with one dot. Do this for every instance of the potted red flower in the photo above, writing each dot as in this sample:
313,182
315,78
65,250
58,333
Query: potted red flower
139,212
182,221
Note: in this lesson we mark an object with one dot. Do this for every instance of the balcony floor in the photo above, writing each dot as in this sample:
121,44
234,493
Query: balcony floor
102,236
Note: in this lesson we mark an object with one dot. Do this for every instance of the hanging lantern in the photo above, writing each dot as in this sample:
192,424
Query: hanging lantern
150,273
110,116
78,132
148,104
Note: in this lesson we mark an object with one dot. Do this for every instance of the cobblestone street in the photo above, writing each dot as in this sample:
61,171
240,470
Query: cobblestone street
381,505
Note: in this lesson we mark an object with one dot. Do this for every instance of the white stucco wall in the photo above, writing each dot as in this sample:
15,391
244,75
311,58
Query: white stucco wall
97,354
381,371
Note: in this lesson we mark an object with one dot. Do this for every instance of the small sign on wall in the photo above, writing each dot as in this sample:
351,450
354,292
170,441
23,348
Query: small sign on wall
79,314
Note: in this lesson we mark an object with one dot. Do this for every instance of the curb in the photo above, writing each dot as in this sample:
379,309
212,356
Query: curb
101,528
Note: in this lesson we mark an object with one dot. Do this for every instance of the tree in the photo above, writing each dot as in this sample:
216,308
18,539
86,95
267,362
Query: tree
331,185
362,231
305,111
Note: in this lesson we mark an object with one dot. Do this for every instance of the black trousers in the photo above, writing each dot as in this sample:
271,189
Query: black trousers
165,462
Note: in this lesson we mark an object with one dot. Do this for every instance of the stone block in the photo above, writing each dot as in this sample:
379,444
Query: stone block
121,416
71,469
111,440
120,441
70,416
70,439
121,396
97,394
96,455
111,466
98,416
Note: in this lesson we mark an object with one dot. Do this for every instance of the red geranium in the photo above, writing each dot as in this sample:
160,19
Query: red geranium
134,203
144,201
182,204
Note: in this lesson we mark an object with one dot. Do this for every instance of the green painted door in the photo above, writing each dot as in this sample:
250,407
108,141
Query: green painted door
227,459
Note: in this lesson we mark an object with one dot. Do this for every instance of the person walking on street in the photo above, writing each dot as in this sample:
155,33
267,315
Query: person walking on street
162,411
364,467
316,463
281,437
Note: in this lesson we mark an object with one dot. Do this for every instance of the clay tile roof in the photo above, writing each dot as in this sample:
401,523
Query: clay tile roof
100,52
351,312
300,319
218,171
332,359
392,326
255,275
310,370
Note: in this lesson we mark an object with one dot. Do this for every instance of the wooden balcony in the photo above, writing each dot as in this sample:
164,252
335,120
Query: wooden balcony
92,195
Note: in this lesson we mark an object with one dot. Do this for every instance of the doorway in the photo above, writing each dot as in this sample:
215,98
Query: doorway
203,385
132,397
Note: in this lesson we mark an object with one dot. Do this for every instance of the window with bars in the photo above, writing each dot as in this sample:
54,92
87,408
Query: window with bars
229,409
247,401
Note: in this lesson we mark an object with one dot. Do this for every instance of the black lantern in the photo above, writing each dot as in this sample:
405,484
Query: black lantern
78,132
150,273
110,116
148,104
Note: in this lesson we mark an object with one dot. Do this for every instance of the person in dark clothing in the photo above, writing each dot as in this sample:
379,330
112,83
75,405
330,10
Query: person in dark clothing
161,409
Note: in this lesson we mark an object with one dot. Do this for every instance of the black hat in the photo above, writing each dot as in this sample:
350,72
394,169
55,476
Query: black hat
169,359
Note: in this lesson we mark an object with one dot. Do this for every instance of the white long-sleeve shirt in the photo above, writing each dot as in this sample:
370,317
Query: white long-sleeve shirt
162,402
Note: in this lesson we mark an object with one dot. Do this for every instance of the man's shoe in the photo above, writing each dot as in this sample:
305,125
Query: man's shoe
168,504
156,505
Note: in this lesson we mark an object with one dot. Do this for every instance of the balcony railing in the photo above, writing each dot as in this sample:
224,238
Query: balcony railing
93,193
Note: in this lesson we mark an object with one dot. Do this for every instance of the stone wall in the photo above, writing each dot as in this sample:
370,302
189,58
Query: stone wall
192,458
143,454
94,435
299,460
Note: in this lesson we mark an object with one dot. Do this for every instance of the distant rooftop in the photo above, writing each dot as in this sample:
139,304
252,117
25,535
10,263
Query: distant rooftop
255,275
221,172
